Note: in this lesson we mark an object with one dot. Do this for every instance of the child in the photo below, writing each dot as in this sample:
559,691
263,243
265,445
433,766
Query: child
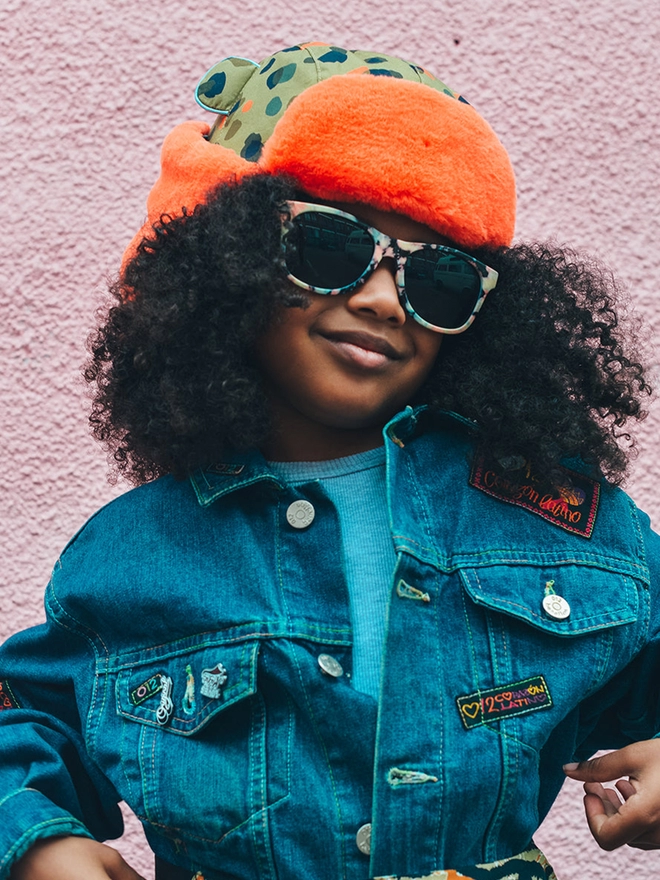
383,587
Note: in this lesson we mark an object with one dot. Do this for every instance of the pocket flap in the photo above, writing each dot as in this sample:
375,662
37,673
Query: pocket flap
597,598
180,690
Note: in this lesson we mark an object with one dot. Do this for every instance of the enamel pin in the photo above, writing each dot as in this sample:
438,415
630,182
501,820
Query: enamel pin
164,711
213,681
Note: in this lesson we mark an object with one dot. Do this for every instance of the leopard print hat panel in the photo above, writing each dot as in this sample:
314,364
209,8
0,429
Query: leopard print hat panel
251,98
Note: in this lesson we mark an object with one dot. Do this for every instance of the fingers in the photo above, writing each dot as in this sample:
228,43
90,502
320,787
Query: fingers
604,768
609,821
643,756
625,788
630,812
607,796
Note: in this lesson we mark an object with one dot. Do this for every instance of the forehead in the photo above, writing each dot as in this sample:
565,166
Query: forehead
389,222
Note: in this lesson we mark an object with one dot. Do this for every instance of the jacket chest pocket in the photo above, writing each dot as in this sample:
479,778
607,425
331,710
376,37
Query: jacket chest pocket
555,635
195,739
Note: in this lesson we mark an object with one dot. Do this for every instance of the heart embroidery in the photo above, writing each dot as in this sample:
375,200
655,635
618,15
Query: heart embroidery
471,709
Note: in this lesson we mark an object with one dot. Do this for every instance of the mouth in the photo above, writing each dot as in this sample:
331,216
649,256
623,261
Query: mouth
362,349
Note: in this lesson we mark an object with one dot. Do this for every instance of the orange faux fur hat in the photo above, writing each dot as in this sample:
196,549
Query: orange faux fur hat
346,126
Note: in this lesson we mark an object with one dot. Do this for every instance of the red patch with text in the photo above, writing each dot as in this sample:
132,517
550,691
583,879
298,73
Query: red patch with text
518,698
571,504
7,699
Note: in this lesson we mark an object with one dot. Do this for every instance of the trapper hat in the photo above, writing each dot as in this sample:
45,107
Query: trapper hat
348,126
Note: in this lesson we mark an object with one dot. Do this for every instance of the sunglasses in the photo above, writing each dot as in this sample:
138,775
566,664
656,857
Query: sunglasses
329,251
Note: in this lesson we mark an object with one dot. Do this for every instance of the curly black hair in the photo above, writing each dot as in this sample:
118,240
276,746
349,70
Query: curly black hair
547,371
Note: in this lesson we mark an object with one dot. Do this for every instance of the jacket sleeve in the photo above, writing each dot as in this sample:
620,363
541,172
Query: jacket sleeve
49,786
627,709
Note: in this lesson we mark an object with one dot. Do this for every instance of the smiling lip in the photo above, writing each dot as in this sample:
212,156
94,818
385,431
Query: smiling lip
367,341
362,349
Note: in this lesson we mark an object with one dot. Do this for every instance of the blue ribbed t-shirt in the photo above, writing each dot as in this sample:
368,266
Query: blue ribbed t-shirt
356,486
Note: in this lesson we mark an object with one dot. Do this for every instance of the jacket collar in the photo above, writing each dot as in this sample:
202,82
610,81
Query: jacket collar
238,470
412,421
241,469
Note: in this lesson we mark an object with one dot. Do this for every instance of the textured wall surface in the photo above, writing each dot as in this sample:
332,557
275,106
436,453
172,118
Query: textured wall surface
90,87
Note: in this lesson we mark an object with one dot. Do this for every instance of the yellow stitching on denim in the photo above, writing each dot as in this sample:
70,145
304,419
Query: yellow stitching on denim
475,669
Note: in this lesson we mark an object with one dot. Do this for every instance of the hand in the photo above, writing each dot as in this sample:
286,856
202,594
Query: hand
631,813
72,858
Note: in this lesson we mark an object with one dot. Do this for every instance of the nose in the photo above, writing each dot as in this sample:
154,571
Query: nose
378,297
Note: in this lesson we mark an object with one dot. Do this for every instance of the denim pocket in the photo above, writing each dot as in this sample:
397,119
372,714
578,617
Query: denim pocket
194,745
566,629
593,598
532,667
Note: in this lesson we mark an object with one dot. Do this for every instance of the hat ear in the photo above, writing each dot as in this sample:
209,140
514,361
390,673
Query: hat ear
220,87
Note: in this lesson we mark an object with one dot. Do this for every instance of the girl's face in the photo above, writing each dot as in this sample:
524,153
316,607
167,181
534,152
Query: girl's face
339,369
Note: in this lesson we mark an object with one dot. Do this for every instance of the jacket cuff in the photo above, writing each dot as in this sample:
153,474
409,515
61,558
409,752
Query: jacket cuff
19,828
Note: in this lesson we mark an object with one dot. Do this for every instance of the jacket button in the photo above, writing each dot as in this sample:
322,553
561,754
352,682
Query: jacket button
300,514
556,607
363,839
330,666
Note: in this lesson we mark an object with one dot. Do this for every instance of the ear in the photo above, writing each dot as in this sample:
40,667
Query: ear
220,87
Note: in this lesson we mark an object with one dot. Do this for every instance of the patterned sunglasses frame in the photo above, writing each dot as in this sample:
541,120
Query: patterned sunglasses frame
386,246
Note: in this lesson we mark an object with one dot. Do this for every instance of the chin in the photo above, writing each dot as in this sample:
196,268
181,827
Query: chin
357,420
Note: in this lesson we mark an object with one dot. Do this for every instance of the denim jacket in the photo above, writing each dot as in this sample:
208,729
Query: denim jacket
196,663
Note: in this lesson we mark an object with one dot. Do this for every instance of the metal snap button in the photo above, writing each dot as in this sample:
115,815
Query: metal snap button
363,839
300,514
330,666
556,607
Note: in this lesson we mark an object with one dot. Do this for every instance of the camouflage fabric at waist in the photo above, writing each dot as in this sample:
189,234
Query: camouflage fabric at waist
528,865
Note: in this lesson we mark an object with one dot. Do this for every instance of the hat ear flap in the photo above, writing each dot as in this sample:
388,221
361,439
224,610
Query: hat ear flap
220,87
190,169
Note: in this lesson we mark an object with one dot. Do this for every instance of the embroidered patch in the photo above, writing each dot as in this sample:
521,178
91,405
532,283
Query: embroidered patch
227,470
7,698
147,689
571,506
518,698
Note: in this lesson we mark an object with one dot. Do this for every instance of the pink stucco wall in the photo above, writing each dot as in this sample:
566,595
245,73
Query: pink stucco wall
90,87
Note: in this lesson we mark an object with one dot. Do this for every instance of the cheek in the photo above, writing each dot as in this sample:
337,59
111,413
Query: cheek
282,350
427,344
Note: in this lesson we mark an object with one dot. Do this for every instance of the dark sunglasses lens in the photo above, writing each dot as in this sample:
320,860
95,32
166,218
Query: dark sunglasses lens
443,289
326,250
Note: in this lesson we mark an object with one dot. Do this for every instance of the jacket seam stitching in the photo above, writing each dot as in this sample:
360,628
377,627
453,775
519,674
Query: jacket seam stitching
595,560
116,666
89,733
342,843
60,820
